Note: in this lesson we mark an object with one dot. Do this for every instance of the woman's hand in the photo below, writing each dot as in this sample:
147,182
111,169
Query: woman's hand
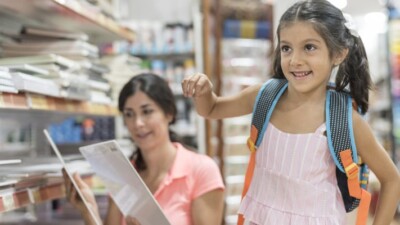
73,196
132,221
197,85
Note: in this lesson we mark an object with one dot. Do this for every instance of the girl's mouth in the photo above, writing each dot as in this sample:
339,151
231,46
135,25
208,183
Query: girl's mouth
301,74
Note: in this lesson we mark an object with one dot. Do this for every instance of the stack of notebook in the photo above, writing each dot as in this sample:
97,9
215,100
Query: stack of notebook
6,81
43,41
55,63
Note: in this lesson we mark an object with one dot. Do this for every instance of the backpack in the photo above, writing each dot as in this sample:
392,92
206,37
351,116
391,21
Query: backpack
352,178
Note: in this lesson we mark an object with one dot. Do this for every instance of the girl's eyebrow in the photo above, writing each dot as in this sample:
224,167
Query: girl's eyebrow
305,41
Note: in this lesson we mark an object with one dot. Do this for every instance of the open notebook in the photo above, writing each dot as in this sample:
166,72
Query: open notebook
124,184
68,171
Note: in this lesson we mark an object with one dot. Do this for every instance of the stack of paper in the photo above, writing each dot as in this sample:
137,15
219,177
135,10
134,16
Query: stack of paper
29,83
38,41
6,81
66,58
99,86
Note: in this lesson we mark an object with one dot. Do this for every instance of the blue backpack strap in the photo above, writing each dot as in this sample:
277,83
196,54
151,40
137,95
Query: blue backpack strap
339,126
341,142
266,100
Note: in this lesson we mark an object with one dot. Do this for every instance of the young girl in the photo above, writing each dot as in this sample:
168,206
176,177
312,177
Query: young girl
188,186
293,163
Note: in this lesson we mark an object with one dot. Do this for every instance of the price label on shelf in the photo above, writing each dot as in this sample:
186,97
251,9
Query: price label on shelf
38,102
8,202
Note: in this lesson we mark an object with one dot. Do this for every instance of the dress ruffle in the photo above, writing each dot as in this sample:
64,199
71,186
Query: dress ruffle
260,214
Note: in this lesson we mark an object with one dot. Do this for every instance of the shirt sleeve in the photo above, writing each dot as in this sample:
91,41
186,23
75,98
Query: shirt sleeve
206,176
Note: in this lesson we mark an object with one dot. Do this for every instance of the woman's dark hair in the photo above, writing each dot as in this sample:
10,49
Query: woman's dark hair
329,22
157,89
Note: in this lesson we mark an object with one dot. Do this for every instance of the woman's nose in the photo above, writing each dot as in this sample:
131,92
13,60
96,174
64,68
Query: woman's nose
139,121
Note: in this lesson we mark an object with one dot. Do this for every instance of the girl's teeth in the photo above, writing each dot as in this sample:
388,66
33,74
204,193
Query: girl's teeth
301,74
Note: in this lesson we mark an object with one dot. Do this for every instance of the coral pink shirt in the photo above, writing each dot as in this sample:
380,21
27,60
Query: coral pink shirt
190,176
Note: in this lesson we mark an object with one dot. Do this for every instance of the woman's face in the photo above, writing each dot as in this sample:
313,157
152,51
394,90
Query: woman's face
146,121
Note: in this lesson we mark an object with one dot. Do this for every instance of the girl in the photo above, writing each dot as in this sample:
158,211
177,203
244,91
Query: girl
188,186
313,39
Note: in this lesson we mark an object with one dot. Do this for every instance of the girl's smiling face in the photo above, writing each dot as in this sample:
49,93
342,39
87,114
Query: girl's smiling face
305,57
146,121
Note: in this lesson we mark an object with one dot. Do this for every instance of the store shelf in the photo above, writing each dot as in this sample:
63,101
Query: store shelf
26,101
167,56
69,14
14,199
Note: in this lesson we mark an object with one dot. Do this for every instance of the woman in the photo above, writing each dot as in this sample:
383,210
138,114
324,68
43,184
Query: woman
188,186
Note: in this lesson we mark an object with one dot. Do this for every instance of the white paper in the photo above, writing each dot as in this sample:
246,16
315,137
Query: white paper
124,184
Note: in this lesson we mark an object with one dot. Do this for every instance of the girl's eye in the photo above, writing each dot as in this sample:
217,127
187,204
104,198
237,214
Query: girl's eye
285,48
309,47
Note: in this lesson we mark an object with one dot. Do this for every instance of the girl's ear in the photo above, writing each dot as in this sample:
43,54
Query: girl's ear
341,56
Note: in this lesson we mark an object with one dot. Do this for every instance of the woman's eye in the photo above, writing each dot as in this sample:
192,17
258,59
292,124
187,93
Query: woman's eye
147,111
128,114
309,47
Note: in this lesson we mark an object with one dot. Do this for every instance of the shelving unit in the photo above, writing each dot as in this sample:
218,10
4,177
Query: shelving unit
37,193
242,58
393,55
35,111
70,13
47,104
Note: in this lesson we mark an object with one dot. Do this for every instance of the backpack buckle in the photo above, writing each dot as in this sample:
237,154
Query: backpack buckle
251,145
351,171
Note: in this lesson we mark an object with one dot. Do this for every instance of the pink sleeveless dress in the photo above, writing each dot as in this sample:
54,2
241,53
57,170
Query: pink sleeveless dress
294,182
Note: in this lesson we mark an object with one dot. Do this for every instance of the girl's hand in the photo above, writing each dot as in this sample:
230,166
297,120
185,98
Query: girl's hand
132,221
74,198
197,85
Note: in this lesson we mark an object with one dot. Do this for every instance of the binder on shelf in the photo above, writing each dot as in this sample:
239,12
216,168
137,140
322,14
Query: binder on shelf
53,33
48,45
41,59
246,29
77,54
29,83
6,82
8,89
29,69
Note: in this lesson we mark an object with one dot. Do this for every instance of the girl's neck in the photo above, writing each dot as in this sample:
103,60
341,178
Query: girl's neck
160,160
315,96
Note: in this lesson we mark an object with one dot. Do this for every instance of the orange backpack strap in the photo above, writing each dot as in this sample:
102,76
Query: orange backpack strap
352,178
355,190
247,180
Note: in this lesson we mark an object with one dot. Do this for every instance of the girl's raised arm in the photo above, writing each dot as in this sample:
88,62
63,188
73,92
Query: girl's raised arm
208,105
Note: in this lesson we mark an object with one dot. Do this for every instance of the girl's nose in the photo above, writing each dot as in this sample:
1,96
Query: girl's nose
296,59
